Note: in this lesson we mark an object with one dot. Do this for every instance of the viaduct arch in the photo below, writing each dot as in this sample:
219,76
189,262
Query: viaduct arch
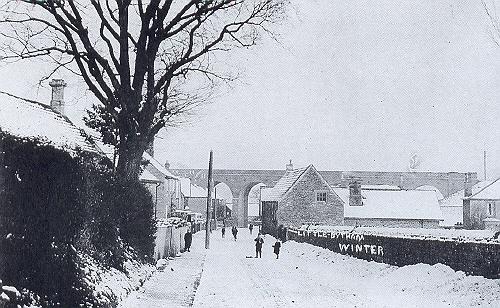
241,181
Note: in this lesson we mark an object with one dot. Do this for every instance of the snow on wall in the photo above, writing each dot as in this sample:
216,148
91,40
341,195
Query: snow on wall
474,253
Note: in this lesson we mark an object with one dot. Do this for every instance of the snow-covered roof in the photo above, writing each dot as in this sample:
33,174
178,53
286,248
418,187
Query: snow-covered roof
490,192
392,204
283,185
148,177
156,164
457,197
107,149
431,188
191,190
380,187
31,120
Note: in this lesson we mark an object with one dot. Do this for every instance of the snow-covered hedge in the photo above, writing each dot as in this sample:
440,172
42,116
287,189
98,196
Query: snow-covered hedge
473,252
58,207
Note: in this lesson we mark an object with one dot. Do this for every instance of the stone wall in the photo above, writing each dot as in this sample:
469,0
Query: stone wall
300,206
393,223
475,211
474,258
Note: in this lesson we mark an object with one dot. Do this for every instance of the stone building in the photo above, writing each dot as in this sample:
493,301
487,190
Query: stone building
300,196
452,205
389,207
481,210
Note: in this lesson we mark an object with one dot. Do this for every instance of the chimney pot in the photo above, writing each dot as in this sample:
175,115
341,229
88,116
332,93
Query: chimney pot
289,166
355,197
57,101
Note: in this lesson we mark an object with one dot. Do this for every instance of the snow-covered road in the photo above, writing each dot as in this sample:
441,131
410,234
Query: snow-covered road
309,276
305,276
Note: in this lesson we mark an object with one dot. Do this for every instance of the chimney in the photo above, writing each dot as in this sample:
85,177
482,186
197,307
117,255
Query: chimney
57,101
355,198
167,165
289,166
468,185
150,149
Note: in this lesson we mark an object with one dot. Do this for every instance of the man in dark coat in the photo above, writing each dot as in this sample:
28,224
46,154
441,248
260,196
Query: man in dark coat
258,246
250,227
223,231
277,247
235,232
188,238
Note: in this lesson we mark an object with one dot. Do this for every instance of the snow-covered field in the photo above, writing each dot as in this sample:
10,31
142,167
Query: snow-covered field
305,276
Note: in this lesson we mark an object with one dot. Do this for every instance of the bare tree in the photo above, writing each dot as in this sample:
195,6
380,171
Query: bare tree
135,56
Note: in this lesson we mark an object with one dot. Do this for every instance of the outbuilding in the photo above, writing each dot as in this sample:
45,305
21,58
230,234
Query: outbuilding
389,207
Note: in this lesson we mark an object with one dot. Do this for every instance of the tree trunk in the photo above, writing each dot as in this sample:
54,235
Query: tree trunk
129,160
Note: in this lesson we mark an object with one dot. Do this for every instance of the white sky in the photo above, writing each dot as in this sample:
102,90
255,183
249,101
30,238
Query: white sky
352,85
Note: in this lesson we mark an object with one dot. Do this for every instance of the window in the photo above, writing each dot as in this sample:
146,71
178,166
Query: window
490,209
321,196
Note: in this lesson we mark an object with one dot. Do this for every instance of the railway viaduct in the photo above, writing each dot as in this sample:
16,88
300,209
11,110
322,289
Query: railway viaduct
241,181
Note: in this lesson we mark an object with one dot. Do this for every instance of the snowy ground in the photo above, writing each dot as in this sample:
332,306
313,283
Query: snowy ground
304,276
174,286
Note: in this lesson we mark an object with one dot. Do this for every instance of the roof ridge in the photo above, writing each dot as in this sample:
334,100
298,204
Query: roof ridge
483,188
297,179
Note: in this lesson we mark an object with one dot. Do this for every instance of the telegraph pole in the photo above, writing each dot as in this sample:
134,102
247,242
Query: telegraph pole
209,201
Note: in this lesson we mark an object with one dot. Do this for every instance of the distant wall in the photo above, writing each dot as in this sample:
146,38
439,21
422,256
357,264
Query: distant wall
475,258
196,204
392,223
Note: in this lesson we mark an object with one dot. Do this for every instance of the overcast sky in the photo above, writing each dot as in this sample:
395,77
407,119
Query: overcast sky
351,85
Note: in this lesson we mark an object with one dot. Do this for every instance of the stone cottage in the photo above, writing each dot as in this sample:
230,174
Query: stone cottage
452,205
481,210
163,185
300,196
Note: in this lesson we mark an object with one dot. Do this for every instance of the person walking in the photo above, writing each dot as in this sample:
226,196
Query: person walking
223,230
258,246
277,247
235,232
250,227
188,238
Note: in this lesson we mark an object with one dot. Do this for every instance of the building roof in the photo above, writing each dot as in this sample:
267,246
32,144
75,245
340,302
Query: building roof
286,182
490,192
380,187
156,164
392,204
148,177
283,185
31,120
457,197
191,190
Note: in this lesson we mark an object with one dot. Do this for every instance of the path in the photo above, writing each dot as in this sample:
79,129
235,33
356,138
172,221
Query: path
176,285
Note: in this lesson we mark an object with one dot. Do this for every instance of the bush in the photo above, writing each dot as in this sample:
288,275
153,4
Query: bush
45,214
56,207
135,208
